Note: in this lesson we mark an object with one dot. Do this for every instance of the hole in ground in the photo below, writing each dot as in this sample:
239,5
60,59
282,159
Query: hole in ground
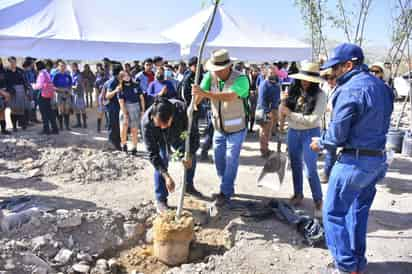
211,238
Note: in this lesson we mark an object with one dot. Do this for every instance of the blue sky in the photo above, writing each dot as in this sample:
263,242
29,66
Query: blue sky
277,15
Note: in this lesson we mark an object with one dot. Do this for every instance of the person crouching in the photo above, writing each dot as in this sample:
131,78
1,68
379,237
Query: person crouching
164,124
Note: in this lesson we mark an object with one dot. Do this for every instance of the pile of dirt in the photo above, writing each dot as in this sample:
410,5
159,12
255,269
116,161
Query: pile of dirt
42,157
71,241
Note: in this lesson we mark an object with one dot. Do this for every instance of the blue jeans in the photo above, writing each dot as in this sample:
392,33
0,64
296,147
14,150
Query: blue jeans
161,192
350,195
330,159
299,152
227,152
207,143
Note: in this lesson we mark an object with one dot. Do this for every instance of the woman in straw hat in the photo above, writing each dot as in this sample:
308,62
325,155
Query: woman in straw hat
304,109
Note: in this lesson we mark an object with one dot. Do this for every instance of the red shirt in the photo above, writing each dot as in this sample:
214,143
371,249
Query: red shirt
150,76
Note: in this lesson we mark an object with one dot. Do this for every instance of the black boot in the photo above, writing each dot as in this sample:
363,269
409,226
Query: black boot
99,125
67,121
14,121
124,148
60,118
84,116
3,128
23,121
79,122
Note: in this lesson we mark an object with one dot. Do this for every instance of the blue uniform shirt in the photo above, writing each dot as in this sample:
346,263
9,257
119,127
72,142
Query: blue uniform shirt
113,102
362,108
268,95
62,80
130,93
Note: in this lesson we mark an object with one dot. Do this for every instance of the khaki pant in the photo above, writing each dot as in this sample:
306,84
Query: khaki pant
266,131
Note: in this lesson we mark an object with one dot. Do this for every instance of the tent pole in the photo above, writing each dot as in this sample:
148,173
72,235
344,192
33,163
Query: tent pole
191,109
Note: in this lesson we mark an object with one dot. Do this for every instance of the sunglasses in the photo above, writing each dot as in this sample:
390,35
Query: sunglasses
327,78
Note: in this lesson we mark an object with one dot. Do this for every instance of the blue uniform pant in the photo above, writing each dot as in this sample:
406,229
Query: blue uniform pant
227,148
161,192
114,131
299,152
351,191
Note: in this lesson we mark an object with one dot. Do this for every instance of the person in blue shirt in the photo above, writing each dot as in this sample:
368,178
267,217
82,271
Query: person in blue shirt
79,91
145,77
63,81
132,108
362,107
99,90
268,101
113,107
30,76
160,87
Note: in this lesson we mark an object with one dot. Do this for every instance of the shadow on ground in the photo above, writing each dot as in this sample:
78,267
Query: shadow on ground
32,183
389,220
389,268
55,202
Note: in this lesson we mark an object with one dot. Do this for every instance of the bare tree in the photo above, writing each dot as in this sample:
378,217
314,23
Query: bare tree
353,33
401,33
312,12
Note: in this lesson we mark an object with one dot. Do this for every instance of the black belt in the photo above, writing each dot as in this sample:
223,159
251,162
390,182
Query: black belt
363,152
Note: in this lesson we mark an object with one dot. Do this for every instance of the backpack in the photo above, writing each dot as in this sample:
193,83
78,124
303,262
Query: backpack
48,89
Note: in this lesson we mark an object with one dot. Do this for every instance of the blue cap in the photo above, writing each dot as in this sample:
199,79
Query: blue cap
342,53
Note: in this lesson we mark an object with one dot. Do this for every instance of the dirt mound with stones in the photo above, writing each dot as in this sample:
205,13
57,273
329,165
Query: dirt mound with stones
71,241
43,157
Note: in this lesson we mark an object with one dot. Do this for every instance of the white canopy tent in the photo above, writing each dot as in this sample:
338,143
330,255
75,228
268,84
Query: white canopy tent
243,40
78,29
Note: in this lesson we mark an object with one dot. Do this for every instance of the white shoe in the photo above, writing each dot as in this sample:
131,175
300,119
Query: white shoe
161,207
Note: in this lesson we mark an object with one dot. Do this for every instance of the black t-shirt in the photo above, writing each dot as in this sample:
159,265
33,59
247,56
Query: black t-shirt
3,82
14,78
113,102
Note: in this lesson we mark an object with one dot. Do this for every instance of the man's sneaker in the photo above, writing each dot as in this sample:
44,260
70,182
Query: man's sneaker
331,269
204,157
266,153
296,200
161,207
220,199
191,190
5,132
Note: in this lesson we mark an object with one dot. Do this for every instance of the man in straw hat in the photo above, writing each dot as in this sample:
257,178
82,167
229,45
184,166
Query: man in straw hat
362,107
228,90
303,109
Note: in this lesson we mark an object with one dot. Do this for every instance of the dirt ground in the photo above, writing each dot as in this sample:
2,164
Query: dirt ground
268,246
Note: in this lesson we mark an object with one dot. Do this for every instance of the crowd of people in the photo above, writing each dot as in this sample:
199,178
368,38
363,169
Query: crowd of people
339,104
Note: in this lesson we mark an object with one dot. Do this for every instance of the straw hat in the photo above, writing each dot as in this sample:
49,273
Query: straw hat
379,65
219,60
326,72
308,72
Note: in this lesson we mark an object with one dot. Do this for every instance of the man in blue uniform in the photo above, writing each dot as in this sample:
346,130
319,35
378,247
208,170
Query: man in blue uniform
362,107
114,107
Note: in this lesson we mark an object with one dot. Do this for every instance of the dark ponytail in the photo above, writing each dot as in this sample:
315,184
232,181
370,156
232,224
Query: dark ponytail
163,109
